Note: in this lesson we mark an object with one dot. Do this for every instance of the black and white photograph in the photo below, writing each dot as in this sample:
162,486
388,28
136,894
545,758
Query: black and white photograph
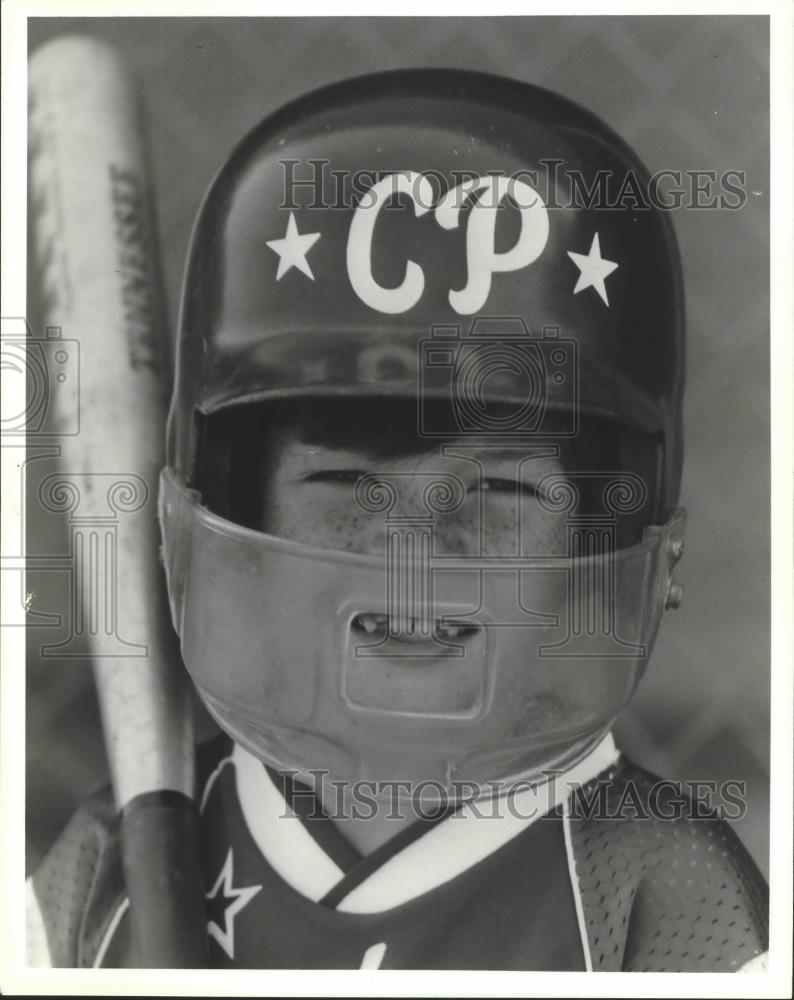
397,531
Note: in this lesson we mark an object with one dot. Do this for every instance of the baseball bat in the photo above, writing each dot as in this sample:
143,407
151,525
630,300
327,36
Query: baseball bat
95,260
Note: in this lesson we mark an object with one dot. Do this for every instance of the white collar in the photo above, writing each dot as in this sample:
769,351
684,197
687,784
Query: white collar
446,850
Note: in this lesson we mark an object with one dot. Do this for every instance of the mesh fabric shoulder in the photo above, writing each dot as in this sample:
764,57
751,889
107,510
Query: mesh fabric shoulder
665,886
79,884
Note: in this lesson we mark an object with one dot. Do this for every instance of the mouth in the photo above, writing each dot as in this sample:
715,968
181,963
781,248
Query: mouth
409,629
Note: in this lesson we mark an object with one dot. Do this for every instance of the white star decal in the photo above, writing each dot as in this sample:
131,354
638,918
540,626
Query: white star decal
239,897
292,249
593,269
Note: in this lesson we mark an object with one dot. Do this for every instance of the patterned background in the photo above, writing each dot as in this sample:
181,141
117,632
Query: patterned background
687,93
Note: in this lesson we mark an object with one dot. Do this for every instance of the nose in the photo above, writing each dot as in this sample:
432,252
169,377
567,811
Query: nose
433,511
404,509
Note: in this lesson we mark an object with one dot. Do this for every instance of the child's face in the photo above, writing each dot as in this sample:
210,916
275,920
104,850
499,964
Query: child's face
309,496
432,658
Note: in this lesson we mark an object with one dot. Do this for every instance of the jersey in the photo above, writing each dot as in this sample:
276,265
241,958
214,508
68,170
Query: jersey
587,870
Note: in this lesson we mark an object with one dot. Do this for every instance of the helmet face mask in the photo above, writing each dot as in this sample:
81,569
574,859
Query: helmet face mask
404,544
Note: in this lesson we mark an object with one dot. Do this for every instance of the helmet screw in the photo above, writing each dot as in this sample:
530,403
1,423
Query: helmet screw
677,549
675,594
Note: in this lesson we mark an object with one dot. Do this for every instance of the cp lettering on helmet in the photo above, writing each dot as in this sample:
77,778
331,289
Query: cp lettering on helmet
487,194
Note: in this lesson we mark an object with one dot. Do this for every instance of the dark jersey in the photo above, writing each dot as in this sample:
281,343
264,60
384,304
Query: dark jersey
594,870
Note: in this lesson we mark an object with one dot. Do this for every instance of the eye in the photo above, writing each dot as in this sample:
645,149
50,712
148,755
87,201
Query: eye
334,476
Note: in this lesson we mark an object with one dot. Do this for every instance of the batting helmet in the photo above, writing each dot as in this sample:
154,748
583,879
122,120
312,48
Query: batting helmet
465,238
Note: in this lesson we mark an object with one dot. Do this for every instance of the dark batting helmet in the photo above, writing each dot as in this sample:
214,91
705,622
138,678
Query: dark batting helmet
457,237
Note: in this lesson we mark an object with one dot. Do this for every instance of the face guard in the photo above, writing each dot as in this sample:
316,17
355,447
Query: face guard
523,663
552,650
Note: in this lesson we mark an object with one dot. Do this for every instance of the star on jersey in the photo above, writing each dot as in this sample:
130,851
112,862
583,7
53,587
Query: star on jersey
292,249
226,901
593,268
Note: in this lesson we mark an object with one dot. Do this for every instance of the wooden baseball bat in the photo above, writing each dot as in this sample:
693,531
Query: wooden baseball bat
92,228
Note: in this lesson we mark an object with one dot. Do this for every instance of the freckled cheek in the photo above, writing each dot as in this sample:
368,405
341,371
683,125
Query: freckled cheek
339,523
347,527
457,533
302,518
334,525
506,529
492,528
